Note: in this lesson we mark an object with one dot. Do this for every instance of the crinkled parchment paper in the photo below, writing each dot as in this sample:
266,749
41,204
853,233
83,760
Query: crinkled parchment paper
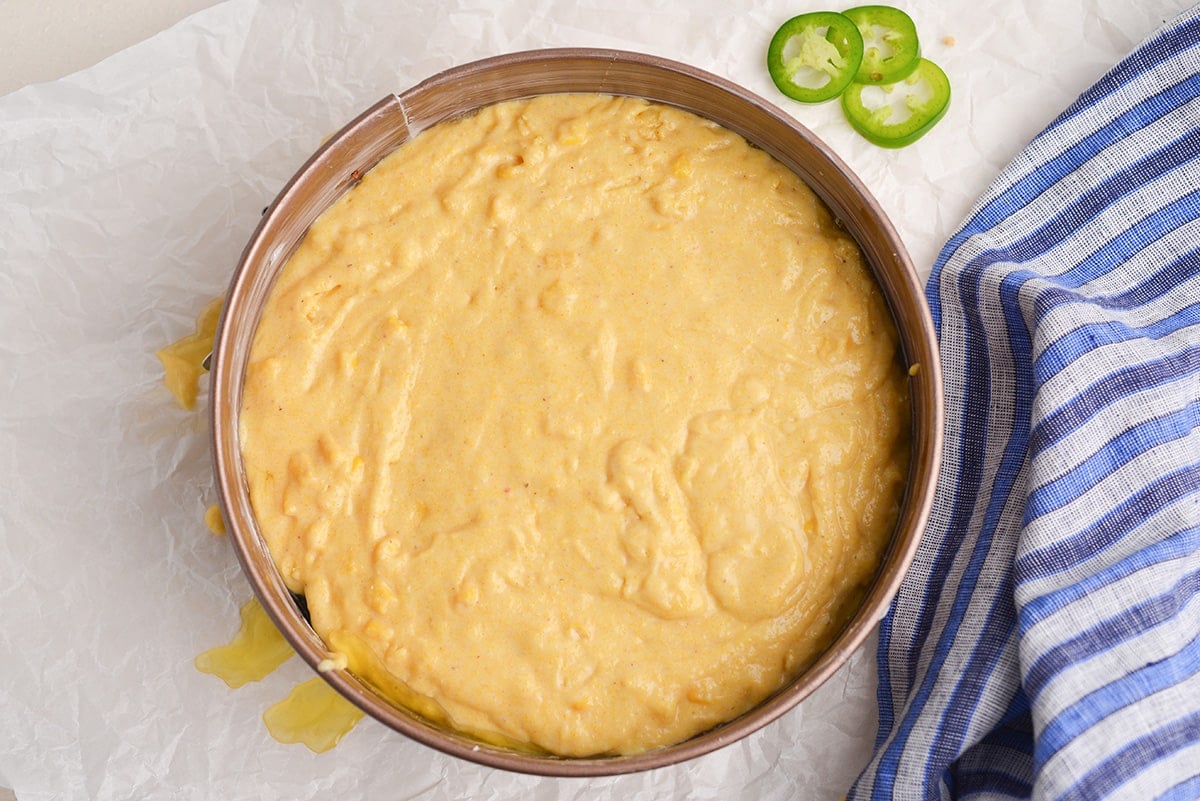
126,194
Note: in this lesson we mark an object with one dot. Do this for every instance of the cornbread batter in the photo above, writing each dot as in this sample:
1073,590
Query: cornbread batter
579,423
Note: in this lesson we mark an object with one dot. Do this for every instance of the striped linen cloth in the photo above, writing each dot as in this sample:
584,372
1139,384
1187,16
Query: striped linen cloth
1045,643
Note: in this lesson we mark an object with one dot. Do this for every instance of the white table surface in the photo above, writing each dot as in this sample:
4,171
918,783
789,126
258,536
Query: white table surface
43,40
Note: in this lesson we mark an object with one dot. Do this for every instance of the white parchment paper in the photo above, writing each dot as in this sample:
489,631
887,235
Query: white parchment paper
126,194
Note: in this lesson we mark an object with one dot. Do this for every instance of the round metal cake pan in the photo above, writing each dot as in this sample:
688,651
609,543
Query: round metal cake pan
342,160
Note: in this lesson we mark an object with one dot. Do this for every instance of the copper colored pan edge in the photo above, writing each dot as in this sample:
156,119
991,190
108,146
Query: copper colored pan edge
336,166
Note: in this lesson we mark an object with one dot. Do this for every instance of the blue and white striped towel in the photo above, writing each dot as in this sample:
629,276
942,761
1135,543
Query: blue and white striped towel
1046,643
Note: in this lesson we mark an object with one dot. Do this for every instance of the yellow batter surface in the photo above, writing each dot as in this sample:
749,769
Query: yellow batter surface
579,423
